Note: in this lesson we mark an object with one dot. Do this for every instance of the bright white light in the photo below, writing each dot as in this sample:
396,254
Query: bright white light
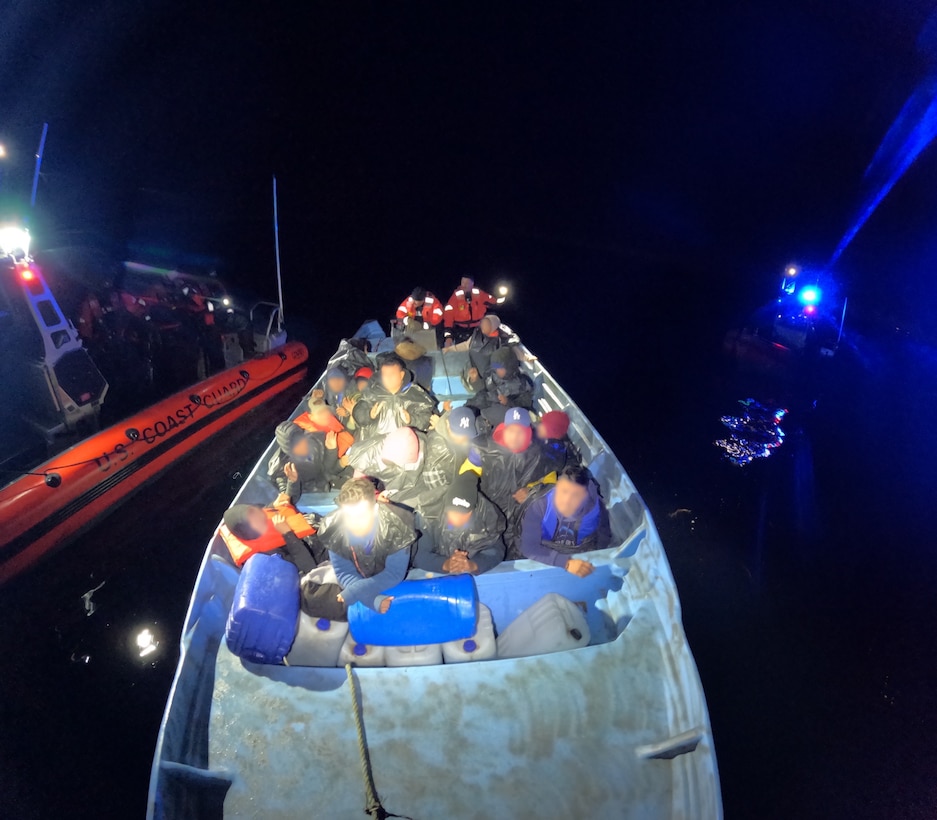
146,642
14,241
503,290
791,270
226,301
3,151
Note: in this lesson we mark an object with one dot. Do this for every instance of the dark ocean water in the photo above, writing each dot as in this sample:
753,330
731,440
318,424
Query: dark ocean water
807,580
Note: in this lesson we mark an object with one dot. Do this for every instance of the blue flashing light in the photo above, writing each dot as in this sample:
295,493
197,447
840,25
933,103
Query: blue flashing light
809,295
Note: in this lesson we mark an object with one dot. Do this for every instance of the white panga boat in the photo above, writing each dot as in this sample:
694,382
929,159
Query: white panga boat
617,728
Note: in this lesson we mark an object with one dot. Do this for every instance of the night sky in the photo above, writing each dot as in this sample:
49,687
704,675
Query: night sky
413,141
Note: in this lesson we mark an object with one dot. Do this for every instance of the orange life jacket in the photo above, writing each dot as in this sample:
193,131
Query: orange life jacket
345,439
270,539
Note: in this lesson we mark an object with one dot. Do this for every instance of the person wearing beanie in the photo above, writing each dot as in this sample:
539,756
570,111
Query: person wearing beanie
398,460
393,400
467,538
420,365
368,544
304,462
335,386
567,519
505,385
552,431
420,309
511,461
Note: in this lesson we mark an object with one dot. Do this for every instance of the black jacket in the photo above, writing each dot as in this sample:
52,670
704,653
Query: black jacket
420,486
411,397
482,539
395,531
515,386
504,472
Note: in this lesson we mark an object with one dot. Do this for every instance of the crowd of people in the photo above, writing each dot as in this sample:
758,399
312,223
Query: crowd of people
424,484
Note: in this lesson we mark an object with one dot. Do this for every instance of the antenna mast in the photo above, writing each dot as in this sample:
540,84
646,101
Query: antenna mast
276,242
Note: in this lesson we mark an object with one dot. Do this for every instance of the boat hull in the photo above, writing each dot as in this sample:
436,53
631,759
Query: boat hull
104,469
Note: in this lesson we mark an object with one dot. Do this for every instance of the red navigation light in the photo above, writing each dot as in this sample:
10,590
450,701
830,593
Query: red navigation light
27,274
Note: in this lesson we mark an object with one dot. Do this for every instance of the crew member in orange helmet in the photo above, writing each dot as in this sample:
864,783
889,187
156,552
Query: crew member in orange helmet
420,306
466,308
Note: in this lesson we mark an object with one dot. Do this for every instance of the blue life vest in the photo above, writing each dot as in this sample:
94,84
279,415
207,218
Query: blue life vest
581,529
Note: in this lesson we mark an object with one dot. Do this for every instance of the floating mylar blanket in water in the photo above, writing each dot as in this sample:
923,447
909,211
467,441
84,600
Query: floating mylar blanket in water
755,432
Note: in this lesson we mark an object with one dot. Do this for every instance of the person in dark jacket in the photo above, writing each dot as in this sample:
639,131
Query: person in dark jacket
488,337
369,544
335,388
468,538
302,463
511,461
505,384
398,460
567,519
450,441
394,400
552,431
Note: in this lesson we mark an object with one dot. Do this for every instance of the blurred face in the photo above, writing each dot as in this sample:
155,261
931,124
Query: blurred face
320,414
485,326
569,497
359,517
392,377
460,440
337,384
466,283
257,519
458,518
362,382
300,448
500,372
515,437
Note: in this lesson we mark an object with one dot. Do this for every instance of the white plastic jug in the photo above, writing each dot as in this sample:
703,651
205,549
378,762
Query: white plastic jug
429,655
359,654
317,642
480,647
552,624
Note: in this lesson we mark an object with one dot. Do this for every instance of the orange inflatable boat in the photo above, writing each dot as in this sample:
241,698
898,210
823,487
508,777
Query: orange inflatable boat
40,511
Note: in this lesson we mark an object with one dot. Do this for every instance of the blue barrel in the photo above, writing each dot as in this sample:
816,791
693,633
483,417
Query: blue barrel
262,622
431,610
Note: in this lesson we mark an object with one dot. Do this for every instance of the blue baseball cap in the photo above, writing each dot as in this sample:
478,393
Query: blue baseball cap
462,422
517,415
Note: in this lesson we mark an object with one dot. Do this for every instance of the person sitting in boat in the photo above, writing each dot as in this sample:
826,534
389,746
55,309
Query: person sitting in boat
468,538
335,388
552,431
420,365
566,519
369,544
504,386
393,400
510,461
304,462
398,460
359,382
321,418
420,309
450,441
488,337
249,529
